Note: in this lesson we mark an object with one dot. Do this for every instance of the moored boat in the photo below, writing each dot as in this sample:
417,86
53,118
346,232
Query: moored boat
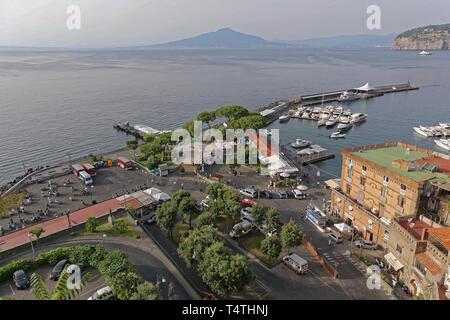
284,118
300,143
337,134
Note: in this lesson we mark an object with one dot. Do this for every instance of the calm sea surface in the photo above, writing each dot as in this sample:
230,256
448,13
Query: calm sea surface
52,103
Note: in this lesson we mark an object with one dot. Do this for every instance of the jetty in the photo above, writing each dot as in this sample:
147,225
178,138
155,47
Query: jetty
137,130
272,113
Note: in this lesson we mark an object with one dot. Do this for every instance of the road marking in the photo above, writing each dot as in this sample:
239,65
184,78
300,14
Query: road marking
12,290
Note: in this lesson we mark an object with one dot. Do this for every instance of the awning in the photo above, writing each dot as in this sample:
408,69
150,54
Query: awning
332,183
393,261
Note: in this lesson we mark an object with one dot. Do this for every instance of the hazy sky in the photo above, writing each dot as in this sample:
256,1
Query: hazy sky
137,22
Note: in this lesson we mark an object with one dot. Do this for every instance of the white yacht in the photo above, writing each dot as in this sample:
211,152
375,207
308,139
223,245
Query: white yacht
358,117
300,143
444,125
321,122
443,143
284,118
423,131
344,126
424,53
349,96
337,135
330,123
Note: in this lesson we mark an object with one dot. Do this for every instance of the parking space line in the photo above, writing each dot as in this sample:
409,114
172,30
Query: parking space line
12,290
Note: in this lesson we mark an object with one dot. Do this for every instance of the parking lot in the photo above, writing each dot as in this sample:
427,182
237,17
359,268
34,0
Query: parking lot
8,289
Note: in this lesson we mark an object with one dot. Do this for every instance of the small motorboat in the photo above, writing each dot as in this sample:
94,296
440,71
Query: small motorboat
321,123
423,131
337,135
424,53
443,143
358,117
299,143
284,118
444,125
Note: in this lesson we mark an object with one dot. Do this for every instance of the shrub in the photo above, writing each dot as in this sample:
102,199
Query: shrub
91,224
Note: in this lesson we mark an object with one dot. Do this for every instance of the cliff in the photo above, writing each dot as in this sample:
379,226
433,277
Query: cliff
435,37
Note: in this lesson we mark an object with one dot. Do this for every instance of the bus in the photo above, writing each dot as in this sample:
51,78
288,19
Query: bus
77,168
316,216
89,169
125,163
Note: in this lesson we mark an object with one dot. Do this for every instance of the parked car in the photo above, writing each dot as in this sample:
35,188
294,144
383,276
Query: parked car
151,220
56,271
282,194
248,193
205,202
365,244
298,194
240,229
246,211
335,237
271,232
82,266
102,294
266,194
296,263
21,279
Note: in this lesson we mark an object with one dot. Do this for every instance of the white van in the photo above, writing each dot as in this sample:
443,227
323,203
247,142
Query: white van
296,263
248,193
298,194
86,177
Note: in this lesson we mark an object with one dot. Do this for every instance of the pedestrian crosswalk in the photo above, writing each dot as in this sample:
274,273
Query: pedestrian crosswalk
333,257
357,265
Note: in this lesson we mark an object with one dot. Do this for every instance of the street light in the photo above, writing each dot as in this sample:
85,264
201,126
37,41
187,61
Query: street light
92,191
68,219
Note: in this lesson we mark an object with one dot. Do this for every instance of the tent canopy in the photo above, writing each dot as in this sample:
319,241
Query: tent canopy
393,261
365,87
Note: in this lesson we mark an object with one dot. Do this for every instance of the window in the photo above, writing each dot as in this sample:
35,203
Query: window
363,181
364,168
399,249
386,179
349,172
403,187
420,267
401,202
360,198
384,191
386,235
349,188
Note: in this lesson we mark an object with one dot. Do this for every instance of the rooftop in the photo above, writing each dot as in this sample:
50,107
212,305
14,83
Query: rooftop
386,154
429,263
442,235
414,227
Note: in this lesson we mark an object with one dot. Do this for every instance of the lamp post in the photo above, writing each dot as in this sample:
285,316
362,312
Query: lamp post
68,219
31,242
92,191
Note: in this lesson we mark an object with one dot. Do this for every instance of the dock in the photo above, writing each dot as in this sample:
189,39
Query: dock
272,113
125,127
303,160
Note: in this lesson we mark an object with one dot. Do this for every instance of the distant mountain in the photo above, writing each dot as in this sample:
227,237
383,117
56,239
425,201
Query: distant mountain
358,40
433,37
223,38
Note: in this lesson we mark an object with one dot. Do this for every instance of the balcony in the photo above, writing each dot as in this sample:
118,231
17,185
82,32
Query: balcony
398,208
383,199
385,183
349,180
361,187
363,172
402,192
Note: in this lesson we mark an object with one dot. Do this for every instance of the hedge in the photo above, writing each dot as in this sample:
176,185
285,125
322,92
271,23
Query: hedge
109,263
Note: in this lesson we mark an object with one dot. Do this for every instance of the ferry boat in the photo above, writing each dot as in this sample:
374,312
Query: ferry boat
424,53
349,96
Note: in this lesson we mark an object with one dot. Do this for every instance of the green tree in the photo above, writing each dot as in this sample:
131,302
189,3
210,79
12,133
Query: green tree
195,244
231,112
37,232
124,284
189,210
207,218
271,247
214,190
234,210
91,224
114,263
61,290
132,144
147,291
291,235
166,216
177,196
152,148
258,214
223,272
120,225
171,295
149,137
189,126
272,218
207,117
153,162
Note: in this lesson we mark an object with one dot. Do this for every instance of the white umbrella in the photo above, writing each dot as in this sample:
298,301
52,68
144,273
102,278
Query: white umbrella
285,174
302,187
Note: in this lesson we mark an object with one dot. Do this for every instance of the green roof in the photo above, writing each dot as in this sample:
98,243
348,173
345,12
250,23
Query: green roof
384,157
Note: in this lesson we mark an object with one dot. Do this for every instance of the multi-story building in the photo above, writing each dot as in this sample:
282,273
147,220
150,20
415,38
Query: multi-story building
384,181
419,256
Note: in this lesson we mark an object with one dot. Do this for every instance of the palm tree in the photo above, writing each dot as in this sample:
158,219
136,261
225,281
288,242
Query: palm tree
61,291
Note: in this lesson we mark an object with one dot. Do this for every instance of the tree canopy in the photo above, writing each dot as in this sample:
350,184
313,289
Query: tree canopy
271,247
166,216
195,244
291,235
